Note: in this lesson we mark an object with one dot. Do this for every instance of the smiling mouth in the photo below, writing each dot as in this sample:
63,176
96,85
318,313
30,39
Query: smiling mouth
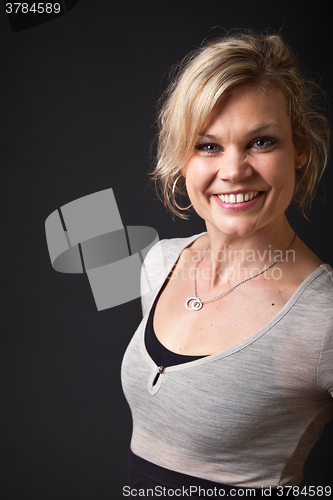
239,197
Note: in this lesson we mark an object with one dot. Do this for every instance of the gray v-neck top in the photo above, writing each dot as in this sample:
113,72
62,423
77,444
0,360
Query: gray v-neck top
245,416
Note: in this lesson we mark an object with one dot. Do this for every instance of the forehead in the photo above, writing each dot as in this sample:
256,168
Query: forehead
250,107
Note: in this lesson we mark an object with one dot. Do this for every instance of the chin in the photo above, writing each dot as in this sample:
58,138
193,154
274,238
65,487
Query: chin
242,225
236,228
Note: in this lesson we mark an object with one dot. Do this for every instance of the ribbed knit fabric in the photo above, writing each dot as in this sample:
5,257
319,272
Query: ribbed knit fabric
246,416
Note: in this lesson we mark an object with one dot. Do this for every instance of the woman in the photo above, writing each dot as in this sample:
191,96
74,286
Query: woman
229,377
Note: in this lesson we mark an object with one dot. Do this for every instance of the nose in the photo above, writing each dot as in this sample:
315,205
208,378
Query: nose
234,166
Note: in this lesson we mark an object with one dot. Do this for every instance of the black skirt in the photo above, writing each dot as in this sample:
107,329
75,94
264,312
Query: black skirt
147,480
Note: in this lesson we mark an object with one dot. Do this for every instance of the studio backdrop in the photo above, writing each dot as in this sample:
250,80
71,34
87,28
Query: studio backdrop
80,82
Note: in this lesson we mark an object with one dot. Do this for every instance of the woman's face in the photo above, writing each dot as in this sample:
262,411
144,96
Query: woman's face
240,176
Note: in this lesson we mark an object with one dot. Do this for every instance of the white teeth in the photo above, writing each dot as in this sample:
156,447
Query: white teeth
238,198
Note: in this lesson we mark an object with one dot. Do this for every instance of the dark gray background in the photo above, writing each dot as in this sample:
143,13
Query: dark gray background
78,116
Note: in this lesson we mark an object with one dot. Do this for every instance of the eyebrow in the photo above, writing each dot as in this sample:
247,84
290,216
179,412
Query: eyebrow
250,132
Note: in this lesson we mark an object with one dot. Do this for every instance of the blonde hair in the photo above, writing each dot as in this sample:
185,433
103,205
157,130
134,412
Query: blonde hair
214,70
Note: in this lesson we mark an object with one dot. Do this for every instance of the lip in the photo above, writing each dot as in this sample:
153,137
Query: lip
238,206
238,191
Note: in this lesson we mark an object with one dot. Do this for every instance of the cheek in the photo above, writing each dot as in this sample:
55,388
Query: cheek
280,174
198,177
282,178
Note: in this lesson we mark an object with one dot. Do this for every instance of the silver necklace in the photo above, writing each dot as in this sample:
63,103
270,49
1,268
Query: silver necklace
195,304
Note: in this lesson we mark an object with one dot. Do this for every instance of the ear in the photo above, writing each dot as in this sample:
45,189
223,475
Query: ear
300,160
183,171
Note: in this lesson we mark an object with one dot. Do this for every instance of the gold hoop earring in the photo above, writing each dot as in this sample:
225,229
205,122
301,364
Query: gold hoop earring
173,195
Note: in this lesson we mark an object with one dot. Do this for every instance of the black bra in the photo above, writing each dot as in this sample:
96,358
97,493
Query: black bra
160,354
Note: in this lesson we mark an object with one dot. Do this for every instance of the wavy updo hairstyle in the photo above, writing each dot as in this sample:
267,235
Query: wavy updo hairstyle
207,75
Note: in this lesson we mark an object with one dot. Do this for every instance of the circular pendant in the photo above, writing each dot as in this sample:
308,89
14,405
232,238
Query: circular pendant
196,305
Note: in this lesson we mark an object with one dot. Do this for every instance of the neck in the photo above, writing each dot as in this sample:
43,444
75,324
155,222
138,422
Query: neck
251,253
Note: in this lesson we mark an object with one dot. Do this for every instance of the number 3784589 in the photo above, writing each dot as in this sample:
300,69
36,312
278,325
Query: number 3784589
34,8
